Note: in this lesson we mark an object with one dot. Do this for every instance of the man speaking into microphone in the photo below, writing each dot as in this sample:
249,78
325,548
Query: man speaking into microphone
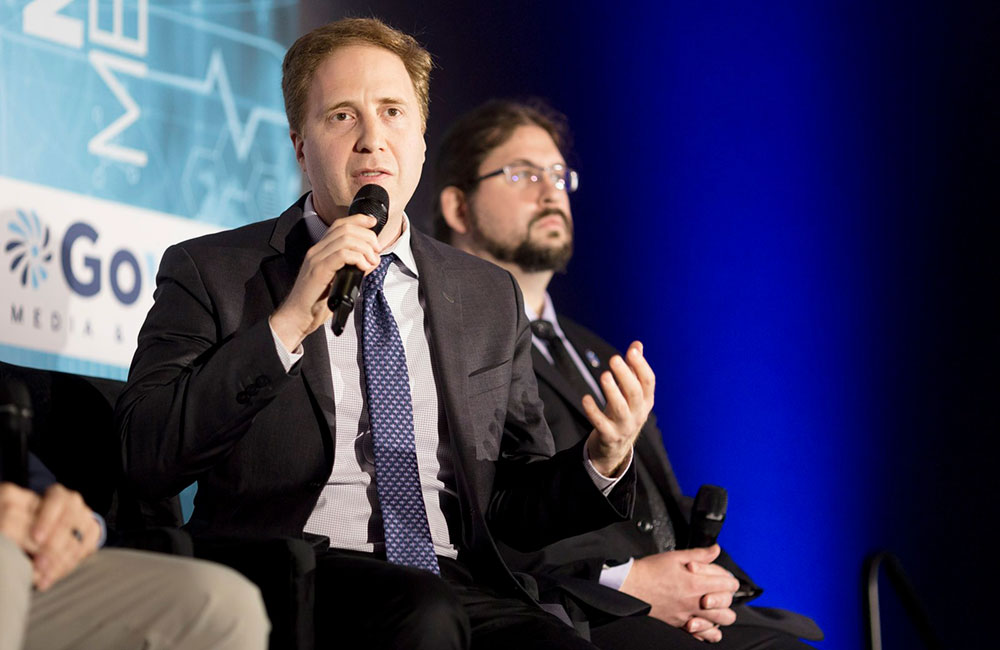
413,440
502,187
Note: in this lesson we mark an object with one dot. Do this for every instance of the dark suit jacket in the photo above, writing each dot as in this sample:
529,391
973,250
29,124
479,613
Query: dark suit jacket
572,566
207,399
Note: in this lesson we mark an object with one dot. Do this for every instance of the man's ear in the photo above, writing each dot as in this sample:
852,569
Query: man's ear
298,142
455,209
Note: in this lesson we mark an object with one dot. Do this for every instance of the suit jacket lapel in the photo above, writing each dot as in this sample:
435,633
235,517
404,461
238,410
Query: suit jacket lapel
441,294
442,300
290,241
548,373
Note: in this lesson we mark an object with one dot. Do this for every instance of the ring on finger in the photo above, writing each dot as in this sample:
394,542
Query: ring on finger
77,534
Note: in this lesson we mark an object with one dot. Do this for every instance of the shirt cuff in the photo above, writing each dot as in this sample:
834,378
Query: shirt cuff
288,359
614,576
603,483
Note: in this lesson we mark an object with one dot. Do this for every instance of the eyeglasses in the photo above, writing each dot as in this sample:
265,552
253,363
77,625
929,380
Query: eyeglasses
525,175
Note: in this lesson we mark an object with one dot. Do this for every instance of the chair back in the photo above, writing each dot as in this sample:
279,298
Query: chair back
74,435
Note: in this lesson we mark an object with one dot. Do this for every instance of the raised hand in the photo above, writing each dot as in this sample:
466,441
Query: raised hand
628,389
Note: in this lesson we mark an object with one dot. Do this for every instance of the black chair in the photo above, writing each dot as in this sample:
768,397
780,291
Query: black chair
284,568
74,435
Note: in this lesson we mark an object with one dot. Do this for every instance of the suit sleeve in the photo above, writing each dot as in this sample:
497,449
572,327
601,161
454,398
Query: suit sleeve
540,497
191,394
39,476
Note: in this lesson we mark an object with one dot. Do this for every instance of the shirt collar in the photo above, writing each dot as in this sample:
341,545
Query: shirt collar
548,313
401,247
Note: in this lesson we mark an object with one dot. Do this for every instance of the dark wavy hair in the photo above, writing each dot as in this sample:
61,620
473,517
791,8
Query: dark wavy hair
475,134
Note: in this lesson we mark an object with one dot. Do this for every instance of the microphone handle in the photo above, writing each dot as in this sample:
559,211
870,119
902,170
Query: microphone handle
343,292
14,425
705,533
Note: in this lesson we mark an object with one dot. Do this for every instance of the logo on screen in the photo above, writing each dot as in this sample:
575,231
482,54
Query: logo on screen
27,248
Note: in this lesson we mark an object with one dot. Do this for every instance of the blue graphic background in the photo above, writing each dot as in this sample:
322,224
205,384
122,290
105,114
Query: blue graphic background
211,115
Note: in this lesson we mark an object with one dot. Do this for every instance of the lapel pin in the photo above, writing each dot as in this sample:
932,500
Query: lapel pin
447,297
592,359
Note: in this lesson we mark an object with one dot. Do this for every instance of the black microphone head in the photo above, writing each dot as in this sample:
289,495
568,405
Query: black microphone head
707,515
372,200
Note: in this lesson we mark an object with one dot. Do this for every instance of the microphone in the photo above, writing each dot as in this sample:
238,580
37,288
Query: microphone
15,426
707,516
372,200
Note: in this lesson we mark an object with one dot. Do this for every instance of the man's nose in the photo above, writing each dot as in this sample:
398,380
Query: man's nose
548,192
371,136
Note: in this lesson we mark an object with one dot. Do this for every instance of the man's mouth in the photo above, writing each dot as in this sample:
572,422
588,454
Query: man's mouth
371,173
551,217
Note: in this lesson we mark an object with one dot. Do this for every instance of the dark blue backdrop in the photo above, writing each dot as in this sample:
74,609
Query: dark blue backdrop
791,204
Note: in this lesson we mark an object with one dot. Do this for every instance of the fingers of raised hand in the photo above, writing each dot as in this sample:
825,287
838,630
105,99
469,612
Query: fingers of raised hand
627,382
597,418
616,405
619,387
643,372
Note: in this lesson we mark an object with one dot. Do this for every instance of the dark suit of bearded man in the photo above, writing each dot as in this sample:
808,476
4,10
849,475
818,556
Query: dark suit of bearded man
569,570
502,193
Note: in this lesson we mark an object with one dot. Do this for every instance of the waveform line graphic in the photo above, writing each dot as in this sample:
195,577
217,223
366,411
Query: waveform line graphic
242,134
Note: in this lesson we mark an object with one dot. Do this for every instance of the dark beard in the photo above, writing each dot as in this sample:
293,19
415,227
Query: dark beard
528,255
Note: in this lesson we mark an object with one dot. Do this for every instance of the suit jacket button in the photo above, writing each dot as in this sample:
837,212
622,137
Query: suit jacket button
242,397
644,525
262,382
251,390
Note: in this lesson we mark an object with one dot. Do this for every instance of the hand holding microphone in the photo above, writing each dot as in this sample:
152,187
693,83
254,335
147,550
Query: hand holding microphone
349,246
372,200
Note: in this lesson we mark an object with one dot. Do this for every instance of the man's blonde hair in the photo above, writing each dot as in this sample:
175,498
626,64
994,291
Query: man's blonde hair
309,51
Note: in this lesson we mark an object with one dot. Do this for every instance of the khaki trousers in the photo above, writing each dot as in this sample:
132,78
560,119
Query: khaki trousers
129,600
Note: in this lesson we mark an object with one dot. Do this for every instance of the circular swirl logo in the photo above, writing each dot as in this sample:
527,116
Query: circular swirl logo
28,247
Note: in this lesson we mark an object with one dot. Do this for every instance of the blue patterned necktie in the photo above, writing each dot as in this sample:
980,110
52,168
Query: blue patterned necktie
397,479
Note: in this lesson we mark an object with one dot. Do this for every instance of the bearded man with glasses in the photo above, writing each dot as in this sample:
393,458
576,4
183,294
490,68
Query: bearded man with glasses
502,189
